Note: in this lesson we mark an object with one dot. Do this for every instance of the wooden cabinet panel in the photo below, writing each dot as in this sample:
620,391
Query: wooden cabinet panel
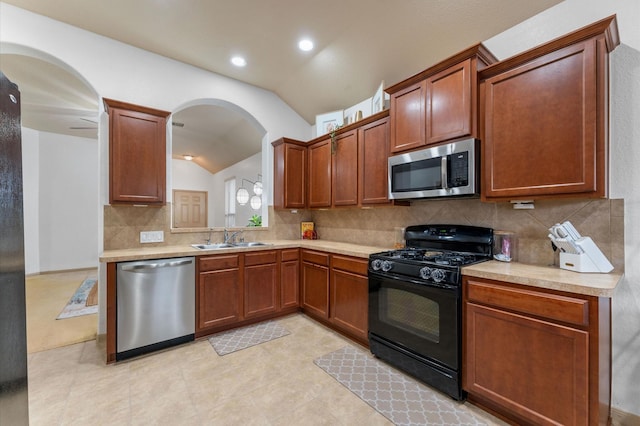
532,356
289,174
537,370
350,303
289,284
545,118
211,263
137,153
260,289
448,103
550,306
344,170
373,181
320,174
260,257
315,289
407,112
219,298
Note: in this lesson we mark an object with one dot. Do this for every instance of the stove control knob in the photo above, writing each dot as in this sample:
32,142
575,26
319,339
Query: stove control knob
376,264
386,266
425,272
438,275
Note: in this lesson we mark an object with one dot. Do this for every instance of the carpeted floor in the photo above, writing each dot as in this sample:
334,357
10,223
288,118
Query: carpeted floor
47,294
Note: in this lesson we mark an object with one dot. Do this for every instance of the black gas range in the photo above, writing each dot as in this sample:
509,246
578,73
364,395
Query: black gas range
415,301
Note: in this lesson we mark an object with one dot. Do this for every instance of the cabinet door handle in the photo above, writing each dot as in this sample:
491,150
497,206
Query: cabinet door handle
157,265
443,171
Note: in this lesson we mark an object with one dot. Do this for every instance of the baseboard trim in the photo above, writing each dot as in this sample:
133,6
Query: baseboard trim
62,271
622,418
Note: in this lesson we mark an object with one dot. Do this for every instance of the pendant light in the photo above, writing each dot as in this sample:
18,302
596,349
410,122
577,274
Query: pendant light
242,195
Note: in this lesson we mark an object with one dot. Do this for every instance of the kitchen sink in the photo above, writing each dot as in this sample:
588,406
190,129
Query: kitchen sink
228,245
250,244
212,246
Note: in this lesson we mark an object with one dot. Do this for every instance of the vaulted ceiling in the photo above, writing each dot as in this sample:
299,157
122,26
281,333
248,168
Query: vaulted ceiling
358,43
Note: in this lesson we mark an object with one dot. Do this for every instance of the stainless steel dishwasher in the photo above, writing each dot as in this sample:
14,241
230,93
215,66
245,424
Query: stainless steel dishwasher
155,305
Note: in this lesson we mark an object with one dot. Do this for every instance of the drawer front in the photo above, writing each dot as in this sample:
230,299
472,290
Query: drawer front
350,264
260,258
315,257
551,306
290,254
212,263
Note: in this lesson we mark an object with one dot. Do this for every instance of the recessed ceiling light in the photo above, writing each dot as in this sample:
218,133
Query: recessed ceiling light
188,157
305,44
238,61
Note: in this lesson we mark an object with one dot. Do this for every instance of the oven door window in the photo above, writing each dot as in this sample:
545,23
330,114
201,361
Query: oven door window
421,318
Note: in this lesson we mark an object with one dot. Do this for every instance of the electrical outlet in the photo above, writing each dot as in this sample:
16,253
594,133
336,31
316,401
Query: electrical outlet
152,237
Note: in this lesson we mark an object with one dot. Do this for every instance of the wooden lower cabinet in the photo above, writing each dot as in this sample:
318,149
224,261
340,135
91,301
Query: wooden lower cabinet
349,305
260,283
289,279
535,356
219,291
315,283
243,288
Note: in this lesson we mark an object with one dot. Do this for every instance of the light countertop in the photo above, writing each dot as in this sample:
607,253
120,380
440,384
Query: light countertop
547,277
124,255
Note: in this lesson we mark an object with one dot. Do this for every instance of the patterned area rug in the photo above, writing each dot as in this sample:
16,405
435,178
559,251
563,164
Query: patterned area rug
82,301
399,398
245,337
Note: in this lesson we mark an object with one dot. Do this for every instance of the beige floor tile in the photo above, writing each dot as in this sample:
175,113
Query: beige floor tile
275,383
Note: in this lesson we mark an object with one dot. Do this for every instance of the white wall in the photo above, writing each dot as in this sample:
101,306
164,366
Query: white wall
625,157
119,71
60,192
31,182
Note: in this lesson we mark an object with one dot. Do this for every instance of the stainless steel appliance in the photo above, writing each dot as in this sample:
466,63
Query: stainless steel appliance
155,305
445,170
415,301
14,402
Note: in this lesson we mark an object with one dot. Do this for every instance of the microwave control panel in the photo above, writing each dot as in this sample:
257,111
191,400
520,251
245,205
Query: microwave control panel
458,169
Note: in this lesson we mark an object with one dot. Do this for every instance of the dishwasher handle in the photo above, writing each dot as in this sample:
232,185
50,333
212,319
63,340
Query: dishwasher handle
156,265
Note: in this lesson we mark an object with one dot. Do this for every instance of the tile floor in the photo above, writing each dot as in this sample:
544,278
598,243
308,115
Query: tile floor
274,383
46,296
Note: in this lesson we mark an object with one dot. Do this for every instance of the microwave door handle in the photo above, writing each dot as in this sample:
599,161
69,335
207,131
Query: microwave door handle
443,170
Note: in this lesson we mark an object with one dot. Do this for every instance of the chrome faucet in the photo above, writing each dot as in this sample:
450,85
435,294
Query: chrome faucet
229,238
208,240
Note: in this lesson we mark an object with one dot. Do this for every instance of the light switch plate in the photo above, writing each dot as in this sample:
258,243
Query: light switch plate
152,236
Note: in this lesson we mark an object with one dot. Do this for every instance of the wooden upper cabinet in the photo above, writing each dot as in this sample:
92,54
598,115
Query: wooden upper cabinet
344,170
545,118
289,174
137,153
407,110
439,103
320,174
373,182
450,112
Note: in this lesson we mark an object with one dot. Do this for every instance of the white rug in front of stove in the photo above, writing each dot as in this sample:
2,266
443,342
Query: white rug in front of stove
400,399
241,338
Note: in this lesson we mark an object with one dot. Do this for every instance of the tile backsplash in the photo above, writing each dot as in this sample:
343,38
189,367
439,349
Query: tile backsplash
602,220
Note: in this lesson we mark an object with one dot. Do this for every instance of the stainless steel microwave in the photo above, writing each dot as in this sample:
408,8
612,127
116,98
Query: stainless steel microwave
446,170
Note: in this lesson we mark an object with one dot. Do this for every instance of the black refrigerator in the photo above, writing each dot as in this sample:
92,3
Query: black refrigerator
14,402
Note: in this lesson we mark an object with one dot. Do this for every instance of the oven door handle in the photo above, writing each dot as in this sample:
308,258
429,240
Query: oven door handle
443,171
